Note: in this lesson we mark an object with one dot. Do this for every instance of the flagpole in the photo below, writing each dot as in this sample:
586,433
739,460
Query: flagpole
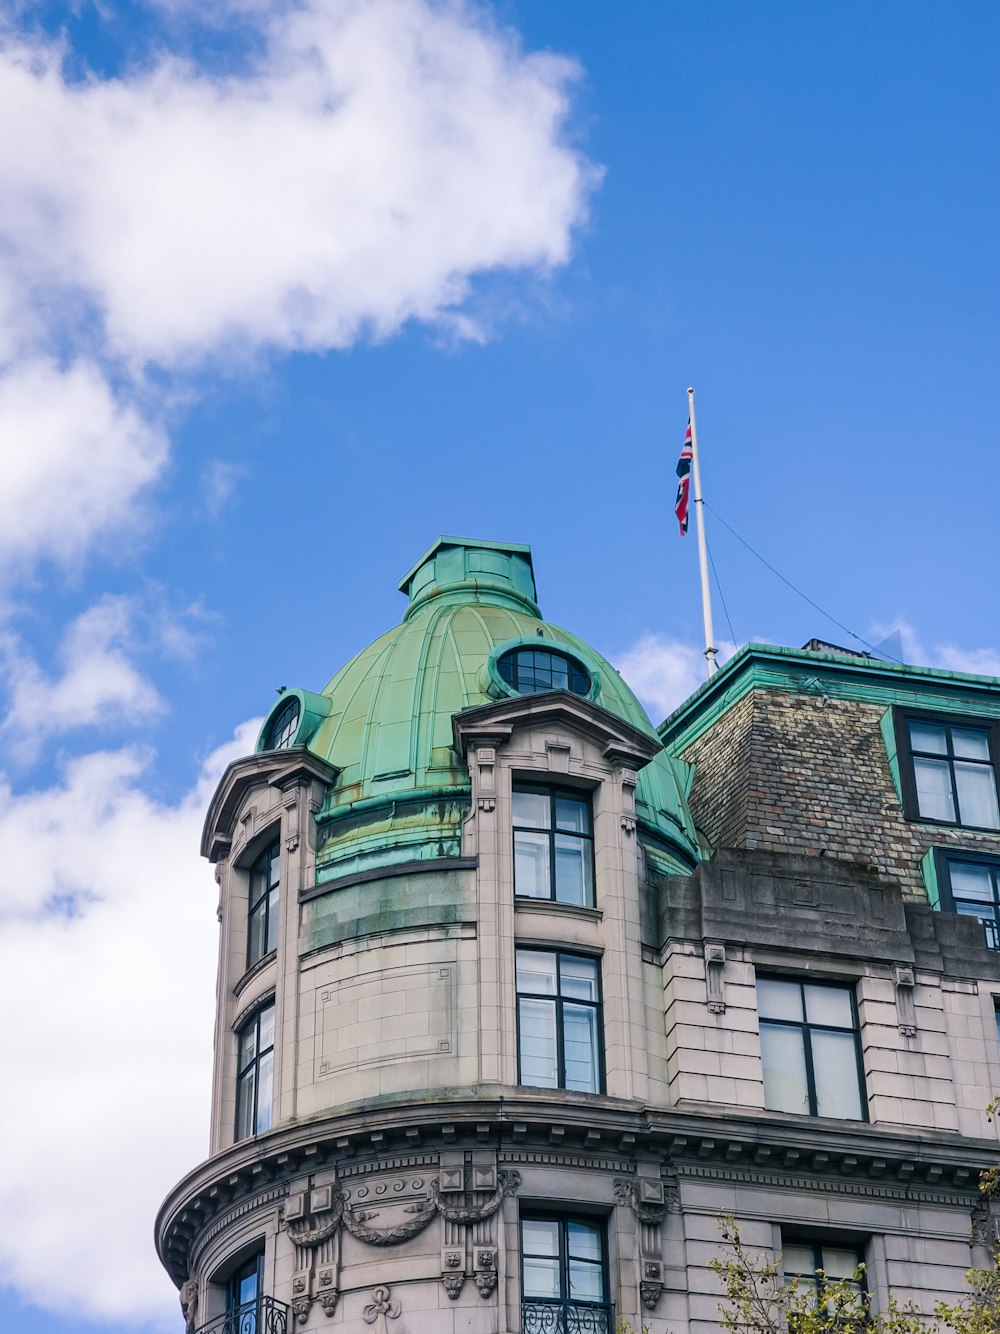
699,507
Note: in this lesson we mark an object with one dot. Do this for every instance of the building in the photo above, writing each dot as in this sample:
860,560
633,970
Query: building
517,994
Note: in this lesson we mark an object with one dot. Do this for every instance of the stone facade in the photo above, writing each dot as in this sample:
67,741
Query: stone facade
389,1184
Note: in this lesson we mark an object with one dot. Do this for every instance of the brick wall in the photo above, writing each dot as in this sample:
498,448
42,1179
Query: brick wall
810,775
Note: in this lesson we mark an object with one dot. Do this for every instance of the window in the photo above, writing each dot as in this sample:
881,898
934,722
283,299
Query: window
810,1264
553,845
284,726
529,671
262,934
558,1020
971,885
950,777
243,1298
564,1278
255,1075
809,1047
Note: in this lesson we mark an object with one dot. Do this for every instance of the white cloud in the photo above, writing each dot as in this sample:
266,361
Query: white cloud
107,953
663,672
952,657
375,157
75,459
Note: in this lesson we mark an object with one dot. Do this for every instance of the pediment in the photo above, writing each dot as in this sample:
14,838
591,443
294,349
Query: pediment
620,742
276,768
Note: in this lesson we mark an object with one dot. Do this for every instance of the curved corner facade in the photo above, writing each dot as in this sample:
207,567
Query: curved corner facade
489,1049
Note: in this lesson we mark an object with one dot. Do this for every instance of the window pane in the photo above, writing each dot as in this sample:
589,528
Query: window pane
537,1042
573,816
970,743
977,795
839,1263
531,865
532,808
256,944
580,1048
267,1028
265,1092
573,871
835,1068
578,977
969,881
929,737
536,972
779,1000
784,1058
244,1107
829,1005
933,780
541,1277
584,1241
540,1236
272,922
586,1282
797,1261
248,1045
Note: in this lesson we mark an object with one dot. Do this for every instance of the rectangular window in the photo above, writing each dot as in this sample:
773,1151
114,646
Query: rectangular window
970,884
809,1045
553,845
255,1074
564,1277
559,1041
948,769
813,1266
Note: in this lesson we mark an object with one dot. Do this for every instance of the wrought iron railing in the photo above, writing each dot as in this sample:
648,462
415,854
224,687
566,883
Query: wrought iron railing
565,1318
263,1316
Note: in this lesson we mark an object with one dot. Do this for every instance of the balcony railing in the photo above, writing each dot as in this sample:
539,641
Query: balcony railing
565,1318
263,1316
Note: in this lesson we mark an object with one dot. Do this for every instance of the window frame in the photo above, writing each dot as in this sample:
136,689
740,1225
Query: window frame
902,717
253,1020
806,1027
573,664
234,1307
565,1300
818,1245
538,787
943,859
261,906
560,1002
286,733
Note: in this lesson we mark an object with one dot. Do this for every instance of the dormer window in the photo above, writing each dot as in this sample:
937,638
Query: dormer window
284,726
948,767
529,671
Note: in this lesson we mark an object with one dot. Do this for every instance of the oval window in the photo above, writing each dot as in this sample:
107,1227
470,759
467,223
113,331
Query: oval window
529,671
284,725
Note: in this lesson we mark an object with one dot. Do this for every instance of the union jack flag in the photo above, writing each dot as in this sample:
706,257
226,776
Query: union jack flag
684,483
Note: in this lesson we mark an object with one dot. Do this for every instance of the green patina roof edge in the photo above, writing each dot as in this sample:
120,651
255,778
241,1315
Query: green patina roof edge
479,543
776,667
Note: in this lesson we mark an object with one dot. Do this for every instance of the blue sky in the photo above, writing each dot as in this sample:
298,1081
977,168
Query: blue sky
290,291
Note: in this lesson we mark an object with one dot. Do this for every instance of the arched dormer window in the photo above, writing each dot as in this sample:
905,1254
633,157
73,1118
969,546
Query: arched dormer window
529,671
284,726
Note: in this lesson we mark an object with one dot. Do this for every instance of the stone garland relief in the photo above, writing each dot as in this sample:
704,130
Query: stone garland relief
314,1220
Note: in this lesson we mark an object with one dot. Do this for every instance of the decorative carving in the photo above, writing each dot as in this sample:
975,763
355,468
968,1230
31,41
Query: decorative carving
380,1305
485,1259
650,1211
715,963
328,1301
301,1305
507,1184
906,1012
189,1303
356,1223
984,1228
650,1293
453,1284
486,804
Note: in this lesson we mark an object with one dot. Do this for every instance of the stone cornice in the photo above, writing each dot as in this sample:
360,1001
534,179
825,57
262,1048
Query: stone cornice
494,723
845,1156
280,768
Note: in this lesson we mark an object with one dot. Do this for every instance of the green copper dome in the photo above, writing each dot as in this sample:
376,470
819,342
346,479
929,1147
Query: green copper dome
385,719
